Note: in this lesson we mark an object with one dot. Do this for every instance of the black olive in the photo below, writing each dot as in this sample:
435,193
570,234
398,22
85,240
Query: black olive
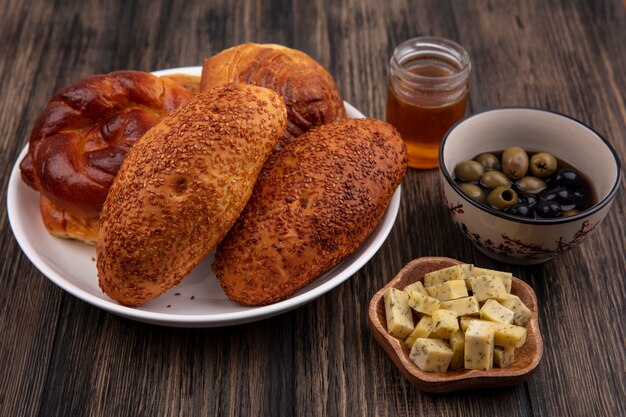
550,194
569,178
567,207
577,196
521,210
548,209
562,195
551,180
528,199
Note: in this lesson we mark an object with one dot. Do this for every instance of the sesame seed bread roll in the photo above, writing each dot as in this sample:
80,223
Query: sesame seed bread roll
314,203
182,186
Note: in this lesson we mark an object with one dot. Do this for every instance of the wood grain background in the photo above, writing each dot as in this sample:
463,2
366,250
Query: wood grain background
62,357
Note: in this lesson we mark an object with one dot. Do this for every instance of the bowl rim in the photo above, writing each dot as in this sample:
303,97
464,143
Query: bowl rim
561,220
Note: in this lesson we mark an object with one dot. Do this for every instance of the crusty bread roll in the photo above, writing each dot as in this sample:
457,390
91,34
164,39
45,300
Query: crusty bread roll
81,138
182,186
314,203
190,82
309,91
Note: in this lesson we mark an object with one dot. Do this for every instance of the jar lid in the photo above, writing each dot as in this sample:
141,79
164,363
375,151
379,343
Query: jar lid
438,51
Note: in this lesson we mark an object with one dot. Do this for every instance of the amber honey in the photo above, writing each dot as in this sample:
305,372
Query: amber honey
427,93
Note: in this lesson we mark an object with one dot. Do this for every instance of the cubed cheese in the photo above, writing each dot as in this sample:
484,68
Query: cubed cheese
503,357
522,313
416,286
479,343
461,306
423,303
431,355
399,316
455,272
457,344
506,335
445,324
507,277
422,330
494,311
449,290
485,287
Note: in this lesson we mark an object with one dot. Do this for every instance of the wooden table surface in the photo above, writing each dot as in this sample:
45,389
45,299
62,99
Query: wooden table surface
60,356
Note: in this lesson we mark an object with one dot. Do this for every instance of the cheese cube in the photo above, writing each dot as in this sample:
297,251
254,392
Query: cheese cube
461,306
449,290
457,344
522,313
506,335
423,303
422,330
485,287
455,272
506,277
503,357
494,311
416,286
399,317
479,340
445,324
431,355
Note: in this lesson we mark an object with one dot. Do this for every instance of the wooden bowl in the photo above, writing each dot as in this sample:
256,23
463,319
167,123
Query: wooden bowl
526,358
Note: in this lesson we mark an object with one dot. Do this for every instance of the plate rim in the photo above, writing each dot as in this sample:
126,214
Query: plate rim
194,320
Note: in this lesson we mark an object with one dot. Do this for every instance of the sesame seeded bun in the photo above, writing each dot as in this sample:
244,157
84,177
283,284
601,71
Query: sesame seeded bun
314,203
181,188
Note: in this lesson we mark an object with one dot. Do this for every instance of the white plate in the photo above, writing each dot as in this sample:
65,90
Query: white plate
198,301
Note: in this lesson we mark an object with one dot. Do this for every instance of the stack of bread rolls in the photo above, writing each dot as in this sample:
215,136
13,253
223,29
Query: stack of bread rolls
159,193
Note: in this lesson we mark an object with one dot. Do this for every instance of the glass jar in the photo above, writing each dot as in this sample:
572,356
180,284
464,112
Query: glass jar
426,94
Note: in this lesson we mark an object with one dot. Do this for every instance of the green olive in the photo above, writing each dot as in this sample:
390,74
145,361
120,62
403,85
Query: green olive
493,179
514,162
543,164
473,191
570,212
532,185
502,197
469,171
489,161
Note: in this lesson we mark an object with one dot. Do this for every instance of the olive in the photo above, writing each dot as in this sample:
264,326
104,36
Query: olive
531,185
548,209
514,162
551,194
469,171
542,164
489,161
502,197
563,195
571,212
569,178
493,179
528,199
473,191
521,210
567,207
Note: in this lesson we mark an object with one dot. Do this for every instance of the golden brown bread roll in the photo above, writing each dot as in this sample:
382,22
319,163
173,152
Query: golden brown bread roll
190,82
81,138
182,186
309,91
314,203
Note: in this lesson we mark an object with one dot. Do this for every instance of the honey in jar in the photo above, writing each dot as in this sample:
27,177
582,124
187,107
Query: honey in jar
427,92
